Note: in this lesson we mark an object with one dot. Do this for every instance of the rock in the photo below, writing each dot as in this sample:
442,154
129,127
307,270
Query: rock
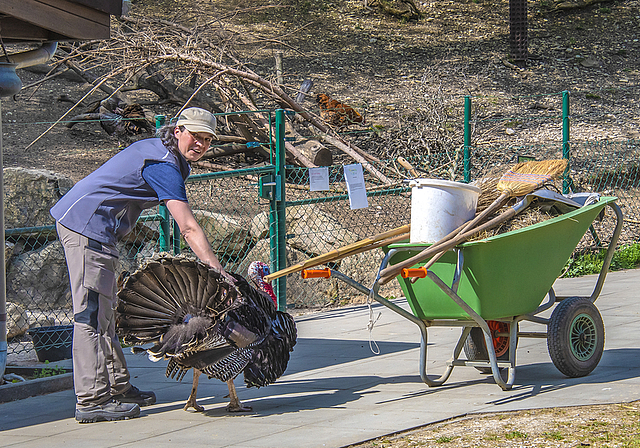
8,250
17,320
590,63
363,268
309,229
39,279
300,293
509,131
29,194
132,256
226,234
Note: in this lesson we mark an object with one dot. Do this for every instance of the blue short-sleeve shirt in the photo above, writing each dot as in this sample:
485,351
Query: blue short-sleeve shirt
166,180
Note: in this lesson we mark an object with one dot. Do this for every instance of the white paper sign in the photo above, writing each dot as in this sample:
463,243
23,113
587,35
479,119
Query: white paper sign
355,186
319,178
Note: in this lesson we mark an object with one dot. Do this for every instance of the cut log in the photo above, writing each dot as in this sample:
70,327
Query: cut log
313,150
227,150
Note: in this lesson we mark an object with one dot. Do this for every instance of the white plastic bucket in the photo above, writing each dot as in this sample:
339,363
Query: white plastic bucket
438,207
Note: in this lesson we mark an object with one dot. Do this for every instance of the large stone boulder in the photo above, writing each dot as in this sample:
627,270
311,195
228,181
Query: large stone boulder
17,320
133,256
309,229
228,236
29,194
39,279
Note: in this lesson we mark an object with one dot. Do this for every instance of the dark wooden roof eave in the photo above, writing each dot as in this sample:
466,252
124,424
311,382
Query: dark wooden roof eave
60,20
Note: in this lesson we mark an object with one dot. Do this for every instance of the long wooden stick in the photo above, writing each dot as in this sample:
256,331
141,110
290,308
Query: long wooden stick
337,253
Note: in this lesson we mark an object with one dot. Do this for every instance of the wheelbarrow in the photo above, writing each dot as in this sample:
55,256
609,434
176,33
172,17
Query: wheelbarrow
488,287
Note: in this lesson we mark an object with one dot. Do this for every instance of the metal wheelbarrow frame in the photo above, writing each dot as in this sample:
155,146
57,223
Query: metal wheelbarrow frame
575,330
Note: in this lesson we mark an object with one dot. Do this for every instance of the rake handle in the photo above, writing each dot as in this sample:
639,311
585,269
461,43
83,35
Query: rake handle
406,165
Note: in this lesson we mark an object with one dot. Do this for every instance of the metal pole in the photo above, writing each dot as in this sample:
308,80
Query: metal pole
3,276
278,222
467,138
566,154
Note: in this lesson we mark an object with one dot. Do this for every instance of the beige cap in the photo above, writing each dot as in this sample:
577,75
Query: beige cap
197,120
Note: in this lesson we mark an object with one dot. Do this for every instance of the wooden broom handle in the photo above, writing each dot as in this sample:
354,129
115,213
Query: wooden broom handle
337,253
406,165
499,202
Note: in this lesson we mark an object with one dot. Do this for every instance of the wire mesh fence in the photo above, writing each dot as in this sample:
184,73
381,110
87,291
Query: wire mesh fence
239,222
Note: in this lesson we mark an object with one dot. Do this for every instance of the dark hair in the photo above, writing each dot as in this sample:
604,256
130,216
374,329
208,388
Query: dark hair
166,134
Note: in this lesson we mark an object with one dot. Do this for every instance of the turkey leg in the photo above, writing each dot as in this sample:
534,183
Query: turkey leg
191,402
234,404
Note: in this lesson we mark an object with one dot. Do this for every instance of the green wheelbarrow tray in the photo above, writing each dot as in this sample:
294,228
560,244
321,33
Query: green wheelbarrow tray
504,275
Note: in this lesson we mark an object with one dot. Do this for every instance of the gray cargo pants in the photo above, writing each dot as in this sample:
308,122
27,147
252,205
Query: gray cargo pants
99,366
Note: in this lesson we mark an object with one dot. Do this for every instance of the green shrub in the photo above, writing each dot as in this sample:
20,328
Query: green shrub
626,257
48,371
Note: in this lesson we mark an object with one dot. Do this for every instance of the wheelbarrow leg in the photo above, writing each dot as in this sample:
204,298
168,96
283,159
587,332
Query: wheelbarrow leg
423,363
493,360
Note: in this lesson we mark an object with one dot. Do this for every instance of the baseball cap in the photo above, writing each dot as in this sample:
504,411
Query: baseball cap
197,120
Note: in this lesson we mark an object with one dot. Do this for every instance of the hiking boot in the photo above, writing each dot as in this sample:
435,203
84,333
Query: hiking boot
111,410
135,395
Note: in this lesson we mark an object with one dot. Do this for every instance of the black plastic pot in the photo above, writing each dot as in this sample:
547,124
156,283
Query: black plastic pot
52,343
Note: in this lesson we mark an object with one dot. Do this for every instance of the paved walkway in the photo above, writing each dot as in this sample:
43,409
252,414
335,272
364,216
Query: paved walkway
337,392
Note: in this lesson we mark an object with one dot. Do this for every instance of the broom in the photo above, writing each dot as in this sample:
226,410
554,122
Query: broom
523,179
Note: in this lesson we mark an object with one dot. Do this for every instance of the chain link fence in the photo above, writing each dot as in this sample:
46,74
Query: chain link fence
239,222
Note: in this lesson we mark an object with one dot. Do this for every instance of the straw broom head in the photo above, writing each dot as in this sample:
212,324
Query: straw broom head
528,176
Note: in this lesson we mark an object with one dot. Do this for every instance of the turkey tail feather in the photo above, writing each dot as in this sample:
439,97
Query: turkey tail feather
272,355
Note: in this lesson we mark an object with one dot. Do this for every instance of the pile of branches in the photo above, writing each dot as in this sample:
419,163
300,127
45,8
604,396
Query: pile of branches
198,65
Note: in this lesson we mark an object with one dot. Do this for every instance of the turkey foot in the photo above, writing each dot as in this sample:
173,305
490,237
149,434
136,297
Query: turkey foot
234,403
191,402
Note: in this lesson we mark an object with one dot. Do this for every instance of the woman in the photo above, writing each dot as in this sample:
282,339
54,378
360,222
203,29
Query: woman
90,219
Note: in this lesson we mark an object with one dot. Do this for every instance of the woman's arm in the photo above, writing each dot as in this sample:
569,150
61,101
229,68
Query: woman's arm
193,233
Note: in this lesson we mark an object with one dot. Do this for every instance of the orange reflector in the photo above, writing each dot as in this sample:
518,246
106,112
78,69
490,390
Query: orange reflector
316,273
414,272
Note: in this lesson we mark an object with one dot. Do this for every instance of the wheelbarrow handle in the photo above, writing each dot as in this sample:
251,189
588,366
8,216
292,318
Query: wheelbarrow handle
316,273
414,272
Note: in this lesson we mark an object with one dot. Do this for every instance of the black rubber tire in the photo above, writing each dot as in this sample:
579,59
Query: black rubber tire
575,337
475,349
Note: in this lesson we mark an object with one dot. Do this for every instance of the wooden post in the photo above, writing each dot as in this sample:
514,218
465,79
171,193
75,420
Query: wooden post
279,68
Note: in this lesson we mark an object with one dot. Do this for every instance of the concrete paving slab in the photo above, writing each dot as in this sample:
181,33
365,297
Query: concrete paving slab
337,392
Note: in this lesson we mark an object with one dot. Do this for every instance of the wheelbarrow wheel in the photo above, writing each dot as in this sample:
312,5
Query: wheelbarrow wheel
475,348
575,336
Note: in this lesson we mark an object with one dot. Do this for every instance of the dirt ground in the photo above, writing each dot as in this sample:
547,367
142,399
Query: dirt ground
614,425
389,69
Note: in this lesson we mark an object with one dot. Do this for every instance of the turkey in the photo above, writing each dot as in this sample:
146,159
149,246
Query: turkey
198,320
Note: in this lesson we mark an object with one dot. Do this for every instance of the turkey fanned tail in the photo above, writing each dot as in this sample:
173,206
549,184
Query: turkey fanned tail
196,319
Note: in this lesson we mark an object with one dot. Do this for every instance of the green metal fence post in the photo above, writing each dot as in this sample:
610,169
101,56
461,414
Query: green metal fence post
164,230
277,221
566,182
164,237
176,239
467,138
